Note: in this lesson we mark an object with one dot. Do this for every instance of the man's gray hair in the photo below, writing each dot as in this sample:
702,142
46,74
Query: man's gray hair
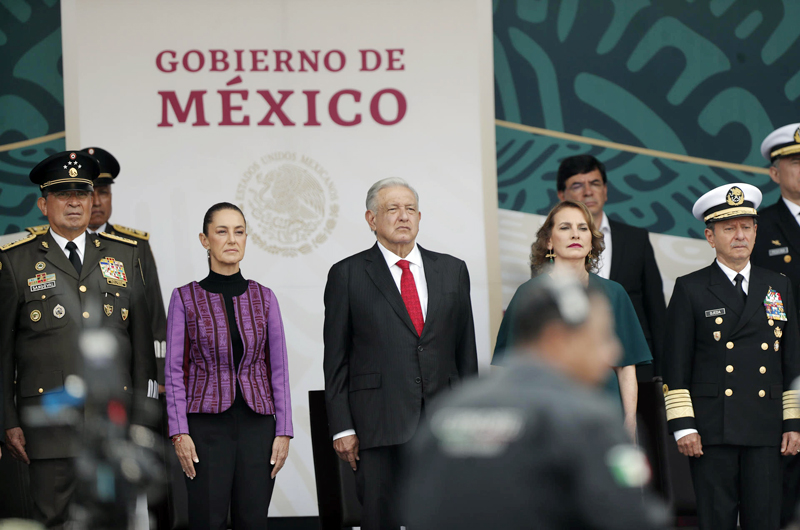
391,182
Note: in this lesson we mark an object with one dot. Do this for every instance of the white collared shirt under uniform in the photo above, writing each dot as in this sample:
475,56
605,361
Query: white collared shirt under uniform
79,241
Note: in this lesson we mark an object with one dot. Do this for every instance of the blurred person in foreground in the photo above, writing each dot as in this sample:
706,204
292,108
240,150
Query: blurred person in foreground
535,446
730,356
569,244
227,375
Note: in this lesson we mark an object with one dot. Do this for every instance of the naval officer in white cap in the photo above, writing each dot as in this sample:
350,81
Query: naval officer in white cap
778,249
732,350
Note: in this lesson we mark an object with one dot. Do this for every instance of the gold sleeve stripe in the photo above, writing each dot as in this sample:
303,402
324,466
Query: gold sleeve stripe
678,404
791,405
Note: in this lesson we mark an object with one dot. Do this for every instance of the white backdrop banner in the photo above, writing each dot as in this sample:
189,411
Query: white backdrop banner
290,109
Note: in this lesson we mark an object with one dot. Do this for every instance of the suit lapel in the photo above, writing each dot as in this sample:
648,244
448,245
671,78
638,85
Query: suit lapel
56,256
617,250
379,273
91,255
756,293
722,288
434,283
788,225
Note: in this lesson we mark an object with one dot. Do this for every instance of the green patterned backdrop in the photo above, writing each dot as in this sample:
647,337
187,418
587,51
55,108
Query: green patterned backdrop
31,102
705,78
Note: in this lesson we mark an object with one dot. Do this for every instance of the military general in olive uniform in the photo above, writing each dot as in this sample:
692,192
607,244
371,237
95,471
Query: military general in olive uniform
100,222
54,286
731,353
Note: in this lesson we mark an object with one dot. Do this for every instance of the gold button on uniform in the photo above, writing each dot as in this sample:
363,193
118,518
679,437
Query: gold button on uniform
85,314
41,390
729,368
761,393
787,258
126,388
764,346
729,392
718,320
729,345
82,288
44,297
763,369
771,322
117,294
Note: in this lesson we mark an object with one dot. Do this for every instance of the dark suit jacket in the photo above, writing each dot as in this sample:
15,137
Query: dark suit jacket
633,265
377,369
777,246
40,329
747,357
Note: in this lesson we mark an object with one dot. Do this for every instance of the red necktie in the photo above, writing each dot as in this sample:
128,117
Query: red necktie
408,290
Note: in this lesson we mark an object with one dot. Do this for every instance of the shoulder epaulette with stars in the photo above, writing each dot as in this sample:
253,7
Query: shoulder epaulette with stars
118,238
13,244
132,232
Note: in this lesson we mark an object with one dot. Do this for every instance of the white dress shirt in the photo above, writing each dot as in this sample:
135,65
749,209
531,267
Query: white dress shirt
80,242
794,208
101,228
604,267
418,270
731,274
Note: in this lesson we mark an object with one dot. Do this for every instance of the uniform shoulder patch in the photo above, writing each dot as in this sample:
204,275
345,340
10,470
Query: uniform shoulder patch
118,238
13,244
131,232
38,230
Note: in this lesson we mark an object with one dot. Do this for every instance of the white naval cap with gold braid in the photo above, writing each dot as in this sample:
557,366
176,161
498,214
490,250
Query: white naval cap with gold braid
678,403
727,202
783,141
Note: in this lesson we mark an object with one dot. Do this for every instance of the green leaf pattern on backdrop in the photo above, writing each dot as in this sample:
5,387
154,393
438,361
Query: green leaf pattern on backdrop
704,79
31,102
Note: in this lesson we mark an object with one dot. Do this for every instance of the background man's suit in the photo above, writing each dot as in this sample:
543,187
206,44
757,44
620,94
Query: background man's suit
633,265
39,334
378,371
728,374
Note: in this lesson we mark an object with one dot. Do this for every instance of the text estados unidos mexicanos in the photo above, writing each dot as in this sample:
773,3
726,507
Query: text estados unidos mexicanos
342,106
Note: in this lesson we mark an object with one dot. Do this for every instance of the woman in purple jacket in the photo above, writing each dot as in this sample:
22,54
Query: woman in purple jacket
227,383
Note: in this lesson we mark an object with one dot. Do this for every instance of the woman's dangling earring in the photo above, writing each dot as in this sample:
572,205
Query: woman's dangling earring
208,253
551,255
589,256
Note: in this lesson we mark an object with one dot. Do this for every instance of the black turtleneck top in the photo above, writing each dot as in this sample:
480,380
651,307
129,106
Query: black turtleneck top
228,287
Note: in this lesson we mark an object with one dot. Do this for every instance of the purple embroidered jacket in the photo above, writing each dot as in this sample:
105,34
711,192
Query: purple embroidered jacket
199,371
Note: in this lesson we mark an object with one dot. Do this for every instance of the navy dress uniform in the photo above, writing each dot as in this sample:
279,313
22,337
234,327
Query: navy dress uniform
730,359
47,302
777,248
778,243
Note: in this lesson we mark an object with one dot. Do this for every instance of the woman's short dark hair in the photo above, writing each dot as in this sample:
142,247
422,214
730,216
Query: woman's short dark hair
216,208
539,248
578,165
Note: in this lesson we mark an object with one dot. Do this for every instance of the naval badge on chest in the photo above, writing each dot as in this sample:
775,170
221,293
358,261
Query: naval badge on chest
774,305
114,272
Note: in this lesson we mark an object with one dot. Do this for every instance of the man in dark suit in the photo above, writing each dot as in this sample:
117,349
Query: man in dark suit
777,248
732,350
398,330
628,258
533,468
55,286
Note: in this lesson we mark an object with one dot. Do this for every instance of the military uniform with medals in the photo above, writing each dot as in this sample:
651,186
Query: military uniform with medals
46,304
730,359
777,248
